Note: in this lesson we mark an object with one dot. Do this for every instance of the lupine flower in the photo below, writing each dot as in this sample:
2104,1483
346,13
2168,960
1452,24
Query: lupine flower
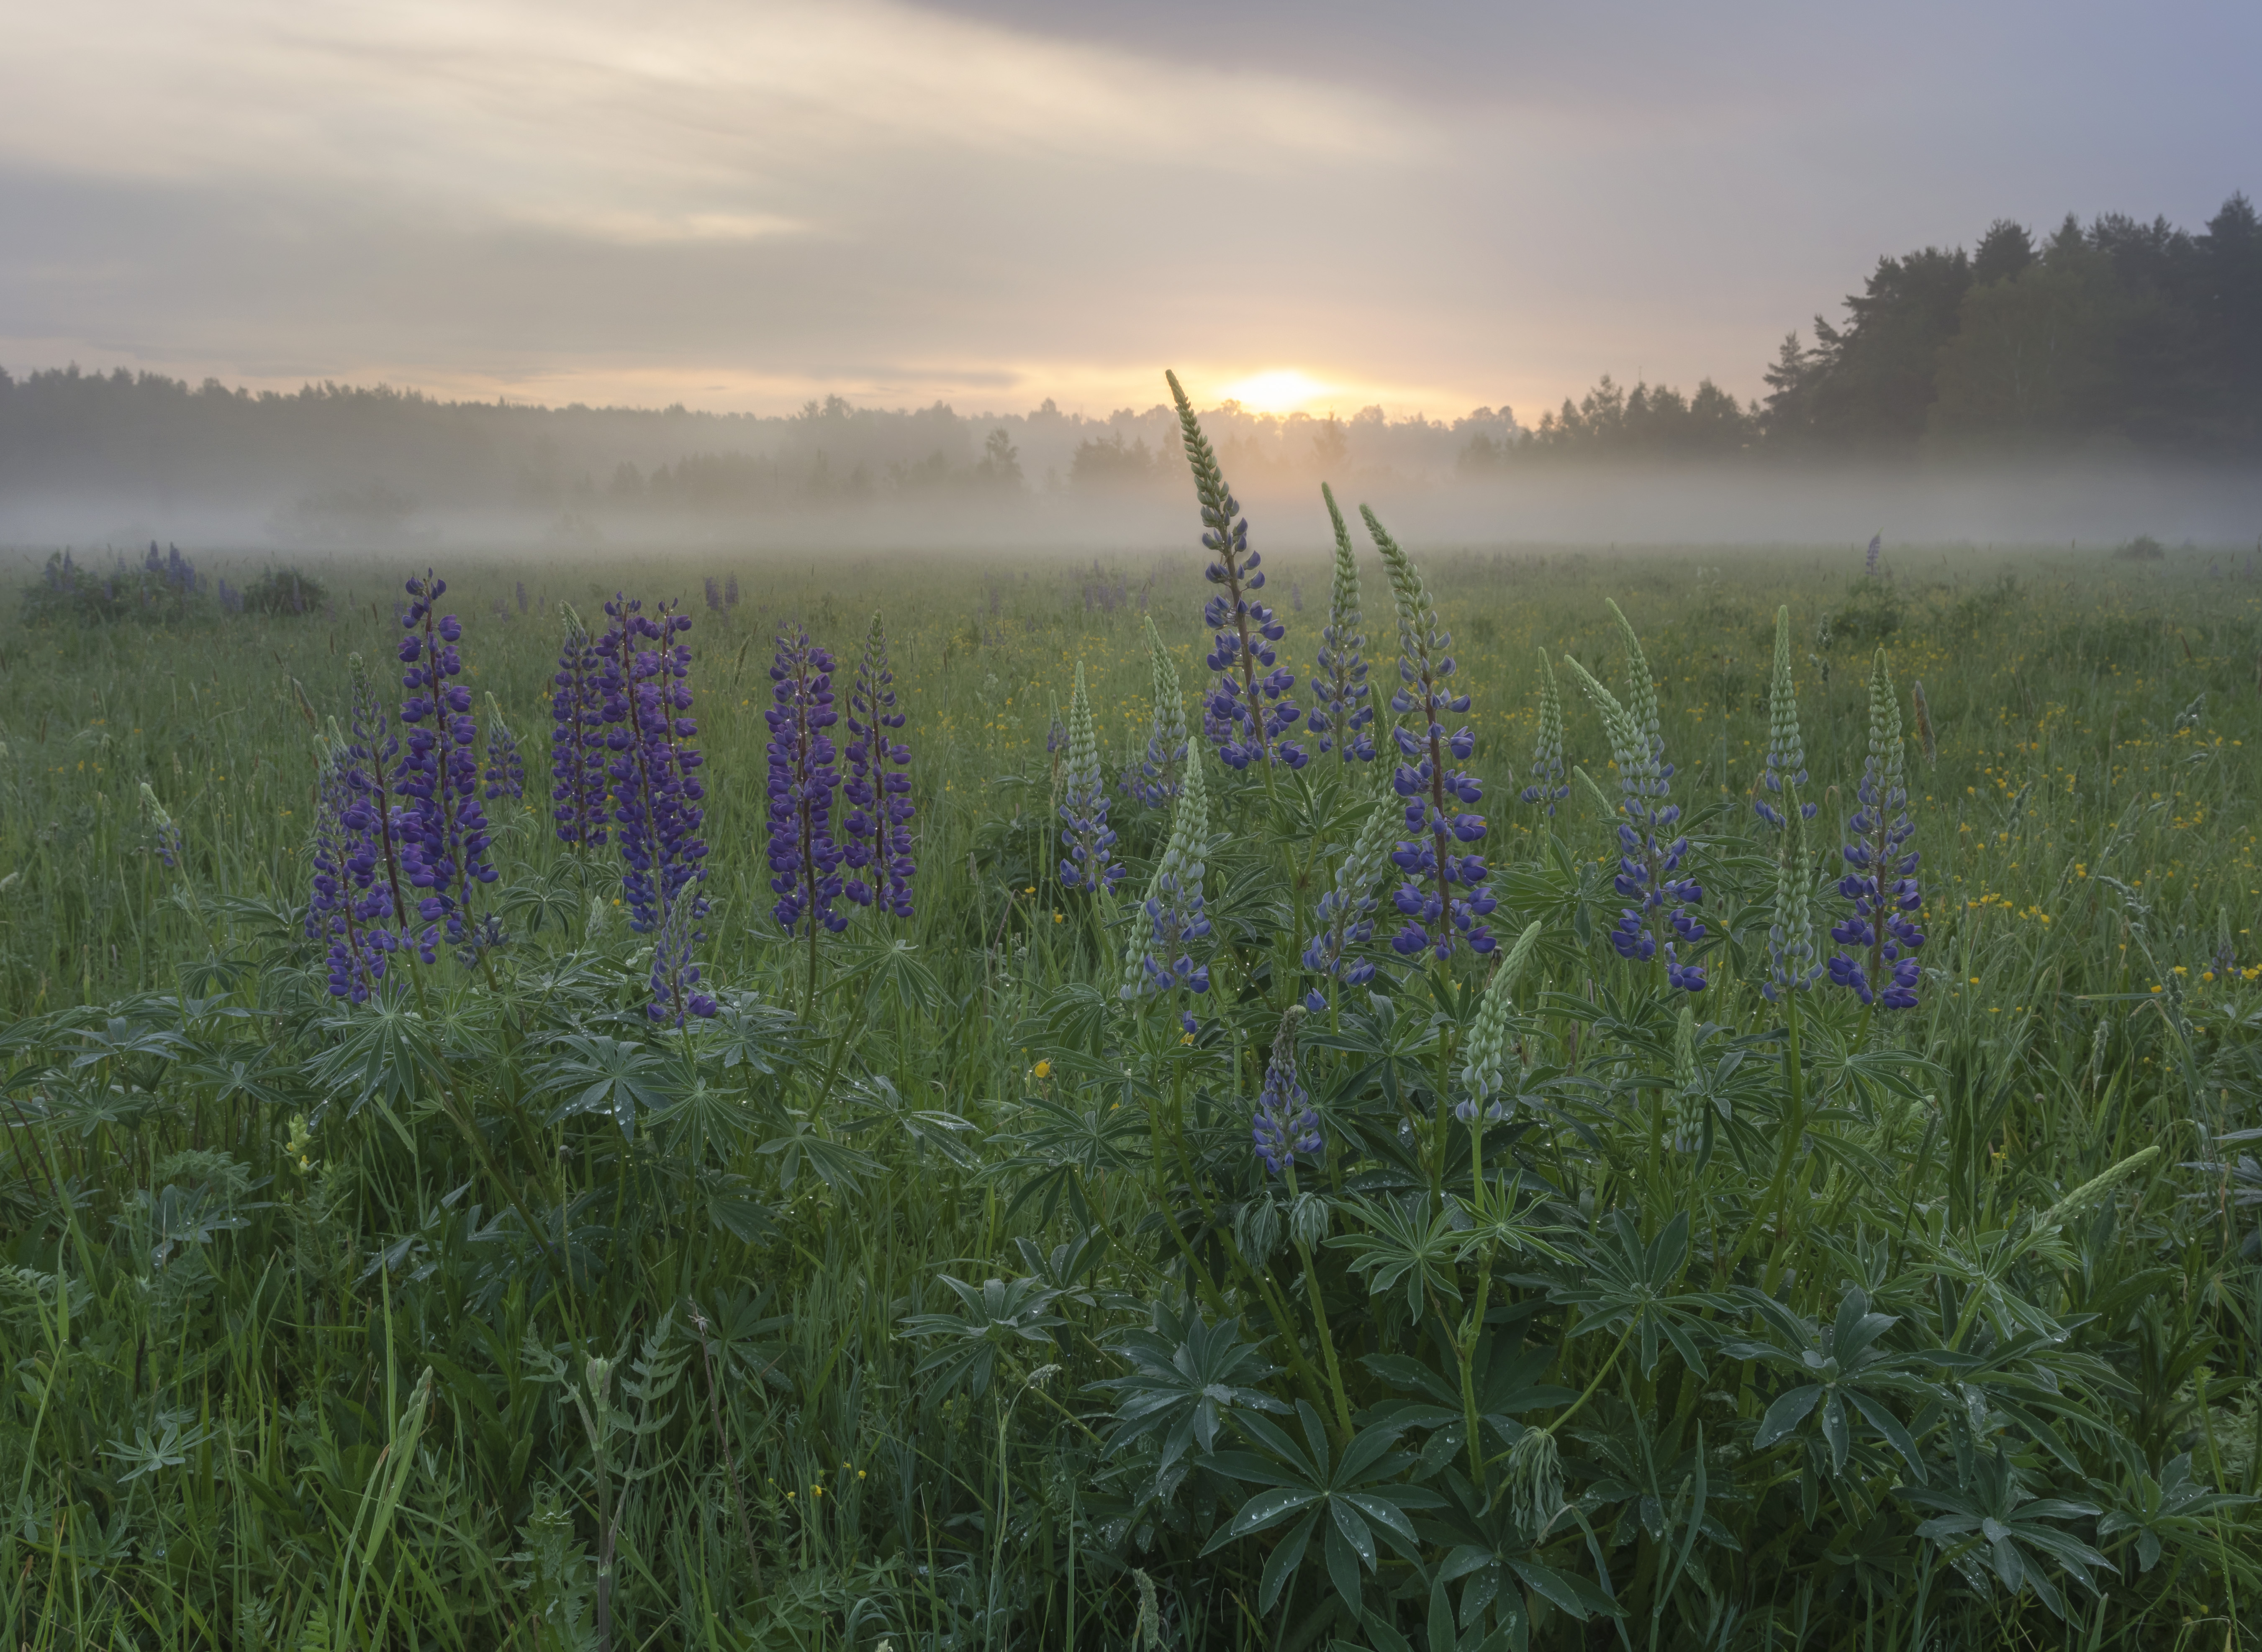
1548,787
1246,714
1882,884
520,590
506,770
1790,937
1484,1071
1687,1105
577,748
1436,918
1084,809
1155,779
731,590
804,860
350,904
1786,756
1869,560
443,831
1344,913
645,674
714,595
1343,699
164,836
1286,1127
372,761
1172,921
879,799
1648,869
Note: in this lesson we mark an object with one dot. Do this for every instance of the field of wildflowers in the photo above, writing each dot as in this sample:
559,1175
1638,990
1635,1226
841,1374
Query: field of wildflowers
1518,1100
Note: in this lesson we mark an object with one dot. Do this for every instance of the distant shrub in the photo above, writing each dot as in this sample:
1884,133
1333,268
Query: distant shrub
284,591
1872,613
2144,548
164,588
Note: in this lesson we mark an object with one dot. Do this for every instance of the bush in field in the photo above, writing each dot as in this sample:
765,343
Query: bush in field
159,590
2144,548
283,592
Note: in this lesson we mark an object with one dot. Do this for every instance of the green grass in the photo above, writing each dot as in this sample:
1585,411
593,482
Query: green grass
244,1224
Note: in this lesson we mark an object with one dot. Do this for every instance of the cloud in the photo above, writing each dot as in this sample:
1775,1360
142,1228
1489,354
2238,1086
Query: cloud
1434,204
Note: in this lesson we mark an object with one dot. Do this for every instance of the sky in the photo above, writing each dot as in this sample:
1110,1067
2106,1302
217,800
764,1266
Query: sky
744,203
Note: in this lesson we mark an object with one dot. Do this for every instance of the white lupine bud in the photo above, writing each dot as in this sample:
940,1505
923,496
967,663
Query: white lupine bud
1485,1069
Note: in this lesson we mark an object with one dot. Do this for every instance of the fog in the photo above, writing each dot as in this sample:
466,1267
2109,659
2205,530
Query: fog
2095,505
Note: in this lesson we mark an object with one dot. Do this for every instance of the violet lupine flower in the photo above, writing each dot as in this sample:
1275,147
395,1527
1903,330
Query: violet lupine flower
1286,1127
731,590
372,766
520,592
1869,561
577,741
714,595
444,831
645,674
1089,863
1155,779
1883,884
1246,714
804,860
1786,757
1345,911
1437,920
880,801
349,903
1343,699
165,839
1548,787
1172,919
506,768
1649,868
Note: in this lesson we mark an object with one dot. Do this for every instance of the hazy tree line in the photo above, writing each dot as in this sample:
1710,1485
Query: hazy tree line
2121,333
2141,336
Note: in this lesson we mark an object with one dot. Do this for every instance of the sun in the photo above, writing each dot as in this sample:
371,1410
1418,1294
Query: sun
1281,389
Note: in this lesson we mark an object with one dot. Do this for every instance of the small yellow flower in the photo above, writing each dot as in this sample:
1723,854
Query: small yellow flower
1043,1070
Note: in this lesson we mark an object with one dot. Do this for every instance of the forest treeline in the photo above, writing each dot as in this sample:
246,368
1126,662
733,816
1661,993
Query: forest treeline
2118,335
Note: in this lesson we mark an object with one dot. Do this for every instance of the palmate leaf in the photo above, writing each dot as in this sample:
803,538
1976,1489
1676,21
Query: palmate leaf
2020,1536
836,1164
2174,1509
1630,1284
991,1316
1842,1377
1348,1497
1061,1146
1405,1242
594,1074
386,1052
1188,1379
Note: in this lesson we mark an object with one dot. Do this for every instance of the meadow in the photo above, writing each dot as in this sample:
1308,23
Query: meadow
969,1279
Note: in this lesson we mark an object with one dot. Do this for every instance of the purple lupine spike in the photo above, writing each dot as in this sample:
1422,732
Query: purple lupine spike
443,831
373,772
731,590
577,741
879,799
714,595
1246,712
506,768
521,593
1869,558
1439,799
644,672
1286,1127
350,902
1881,968
804,860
